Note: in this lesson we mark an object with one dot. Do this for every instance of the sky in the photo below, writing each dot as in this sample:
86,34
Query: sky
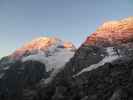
71,20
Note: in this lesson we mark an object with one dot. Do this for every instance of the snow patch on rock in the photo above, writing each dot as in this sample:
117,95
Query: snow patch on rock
112,55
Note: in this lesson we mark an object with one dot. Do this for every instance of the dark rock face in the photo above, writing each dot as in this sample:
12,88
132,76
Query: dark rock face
20,79
111,81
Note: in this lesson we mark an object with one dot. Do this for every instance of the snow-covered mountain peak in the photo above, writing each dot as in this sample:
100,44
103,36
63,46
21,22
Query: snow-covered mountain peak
42,45
48,53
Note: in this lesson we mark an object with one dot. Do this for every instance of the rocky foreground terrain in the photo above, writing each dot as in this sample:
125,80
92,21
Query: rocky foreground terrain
101,69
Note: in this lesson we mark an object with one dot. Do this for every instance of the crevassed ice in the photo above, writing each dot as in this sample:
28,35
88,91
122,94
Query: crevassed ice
112,55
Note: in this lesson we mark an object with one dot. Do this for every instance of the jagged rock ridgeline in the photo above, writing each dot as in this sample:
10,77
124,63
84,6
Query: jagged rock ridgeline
113,33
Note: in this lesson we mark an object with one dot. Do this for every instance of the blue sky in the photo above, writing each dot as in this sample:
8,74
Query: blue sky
73,20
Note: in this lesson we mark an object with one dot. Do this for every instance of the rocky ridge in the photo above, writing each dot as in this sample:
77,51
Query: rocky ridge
113,33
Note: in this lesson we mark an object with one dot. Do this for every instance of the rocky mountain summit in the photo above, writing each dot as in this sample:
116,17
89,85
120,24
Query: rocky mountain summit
113,32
